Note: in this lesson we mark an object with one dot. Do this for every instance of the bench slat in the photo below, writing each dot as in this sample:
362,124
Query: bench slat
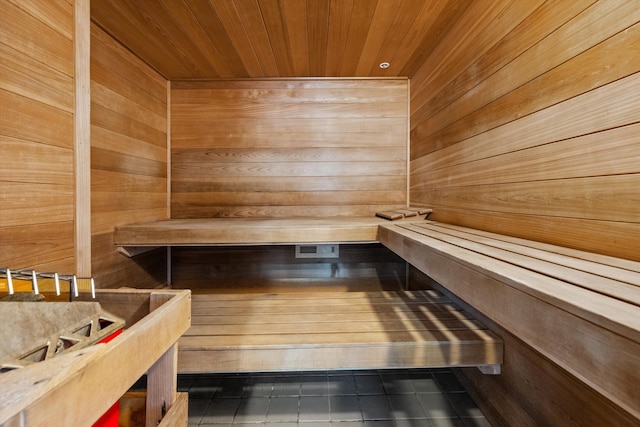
243,319
332,330
614,268
345,338
624,264
539,261
272,328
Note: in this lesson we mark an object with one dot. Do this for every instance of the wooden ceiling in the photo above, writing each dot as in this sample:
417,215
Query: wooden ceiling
221,39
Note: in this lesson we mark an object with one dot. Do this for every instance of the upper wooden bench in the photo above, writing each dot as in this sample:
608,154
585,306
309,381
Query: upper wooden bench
248,231
579,309
136,238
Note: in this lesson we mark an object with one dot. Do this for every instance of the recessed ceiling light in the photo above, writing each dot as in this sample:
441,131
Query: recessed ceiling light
384,65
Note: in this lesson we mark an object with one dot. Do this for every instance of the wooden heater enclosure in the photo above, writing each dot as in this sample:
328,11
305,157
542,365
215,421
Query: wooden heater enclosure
193,144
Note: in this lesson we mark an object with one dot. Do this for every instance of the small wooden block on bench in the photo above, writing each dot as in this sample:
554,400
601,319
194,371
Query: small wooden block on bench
402,213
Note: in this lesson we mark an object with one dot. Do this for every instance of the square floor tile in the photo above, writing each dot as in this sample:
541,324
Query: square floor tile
405,406
231,386
397,383
448,381
314,408
436,405
258,386
369,384
221,411
252,410
426,384
418,422
286,386
341,385
375,407
204,387
446,422
283,409
345,408
314,385
197,408
379,423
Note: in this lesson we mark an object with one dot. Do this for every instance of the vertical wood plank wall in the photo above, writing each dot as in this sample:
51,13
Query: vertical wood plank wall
128,160
528,125
37,135
305,147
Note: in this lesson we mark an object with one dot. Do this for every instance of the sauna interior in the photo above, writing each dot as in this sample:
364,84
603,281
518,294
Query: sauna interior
514,118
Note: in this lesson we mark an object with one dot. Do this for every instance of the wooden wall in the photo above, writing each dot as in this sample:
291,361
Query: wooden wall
524,121
306,147
128,160
37,135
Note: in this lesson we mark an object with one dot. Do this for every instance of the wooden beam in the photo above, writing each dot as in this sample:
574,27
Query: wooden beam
82,138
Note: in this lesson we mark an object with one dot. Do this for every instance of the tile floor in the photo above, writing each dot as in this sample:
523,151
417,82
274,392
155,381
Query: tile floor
394,398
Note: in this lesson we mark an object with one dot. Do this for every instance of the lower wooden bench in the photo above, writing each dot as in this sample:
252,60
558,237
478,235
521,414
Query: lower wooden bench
333,330
580,310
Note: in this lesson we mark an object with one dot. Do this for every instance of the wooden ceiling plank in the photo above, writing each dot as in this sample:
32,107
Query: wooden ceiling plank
175,35
318,27
447,18
339,21
363,13
143,16
295,14
404,19
182,15
383,18
272,15
134,36
210,22
421,28
230,19
251,18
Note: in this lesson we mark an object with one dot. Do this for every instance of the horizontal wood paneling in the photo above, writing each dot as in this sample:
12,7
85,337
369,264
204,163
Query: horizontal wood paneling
128,160
534,133
36,135
544,144
287,147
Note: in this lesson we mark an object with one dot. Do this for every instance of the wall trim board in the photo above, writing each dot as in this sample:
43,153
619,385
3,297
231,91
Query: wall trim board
82,137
